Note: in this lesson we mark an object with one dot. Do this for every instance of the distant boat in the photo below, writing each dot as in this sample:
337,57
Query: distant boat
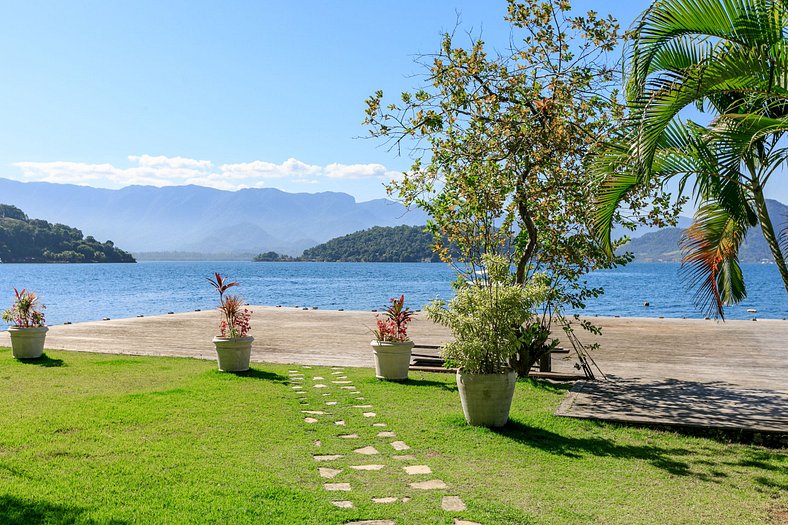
752,310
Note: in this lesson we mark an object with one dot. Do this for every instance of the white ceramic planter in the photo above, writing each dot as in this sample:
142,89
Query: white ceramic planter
27,343
392,359
486,398
233,354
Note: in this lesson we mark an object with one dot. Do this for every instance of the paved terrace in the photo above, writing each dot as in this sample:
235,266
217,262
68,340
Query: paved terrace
668,371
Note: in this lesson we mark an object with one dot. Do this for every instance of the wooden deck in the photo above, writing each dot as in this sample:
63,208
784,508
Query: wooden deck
664,371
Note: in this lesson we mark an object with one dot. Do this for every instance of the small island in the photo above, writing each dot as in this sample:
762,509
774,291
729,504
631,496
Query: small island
25,240
377,244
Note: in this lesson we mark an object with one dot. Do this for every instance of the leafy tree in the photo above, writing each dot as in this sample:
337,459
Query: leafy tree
500,143
729,59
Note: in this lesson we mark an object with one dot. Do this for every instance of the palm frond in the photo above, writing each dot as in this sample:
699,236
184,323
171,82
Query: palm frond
710,248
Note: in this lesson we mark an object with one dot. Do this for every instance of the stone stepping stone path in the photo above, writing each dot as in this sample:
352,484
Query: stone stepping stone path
340,385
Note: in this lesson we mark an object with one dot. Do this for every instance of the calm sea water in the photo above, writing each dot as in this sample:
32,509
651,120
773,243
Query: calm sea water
85,292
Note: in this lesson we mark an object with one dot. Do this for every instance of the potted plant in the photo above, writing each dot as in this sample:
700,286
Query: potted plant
392,346
233,345
27,330
486,317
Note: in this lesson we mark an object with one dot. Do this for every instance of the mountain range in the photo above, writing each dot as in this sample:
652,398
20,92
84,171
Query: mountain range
205,220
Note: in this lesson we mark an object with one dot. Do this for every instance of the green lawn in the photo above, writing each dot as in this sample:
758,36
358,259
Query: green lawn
88,438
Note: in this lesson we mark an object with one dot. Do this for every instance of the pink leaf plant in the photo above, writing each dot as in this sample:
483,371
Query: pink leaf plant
25,311
392,325
236,317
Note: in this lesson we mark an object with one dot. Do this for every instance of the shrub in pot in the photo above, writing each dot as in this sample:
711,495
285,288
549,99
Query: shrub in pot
27,329
486,318
233,344
391,346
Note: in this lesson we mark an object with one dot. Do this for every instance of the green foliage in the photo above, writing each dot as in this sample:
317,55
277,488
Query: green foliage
486,318
728,59
378,244
501,143
34,240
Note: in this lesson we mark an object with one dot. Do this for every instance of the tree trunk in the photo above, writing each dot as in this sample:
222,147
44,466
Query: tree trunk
768,233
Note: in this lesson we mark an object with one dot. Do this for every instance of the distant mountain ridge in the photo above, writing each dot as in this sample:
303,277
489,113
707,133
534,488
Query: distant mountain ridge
663,245
205,220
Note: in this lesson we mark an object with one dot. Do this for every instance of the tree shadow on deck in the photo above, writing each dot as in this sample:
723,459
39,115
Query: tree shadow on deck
17,510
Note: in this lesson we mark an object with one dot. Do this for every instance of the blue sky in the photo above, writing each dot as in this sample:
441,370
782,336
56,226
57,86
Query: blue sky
222,94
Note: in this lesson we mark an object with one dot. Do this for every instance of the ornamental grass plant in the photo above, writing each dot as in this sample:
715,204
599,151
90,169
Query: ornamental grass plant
485,317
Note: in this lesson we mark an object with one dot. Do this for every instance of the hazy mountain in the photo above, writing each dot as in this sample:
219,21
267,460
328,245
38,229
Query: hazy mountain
663,245
205,220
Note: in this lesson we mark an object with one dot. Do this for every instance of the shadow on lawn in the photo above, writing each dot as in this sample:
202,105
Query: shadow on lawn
451,387
576,447
254,373
44,361
17,510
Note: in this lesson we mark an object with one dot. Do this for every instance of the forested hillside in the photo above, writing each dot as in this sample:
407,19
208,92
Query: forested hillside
32,240
378,244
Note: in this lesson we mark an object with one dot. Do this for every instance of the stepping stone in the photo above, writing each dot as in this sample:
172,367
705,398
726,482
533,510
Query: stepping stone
463,522
336,373
418,469
328,472
306,366
369,414
297,387
327,394
348,436
360,399
429,485
342,377
368,451
399,445
406,499
348,387
372,522
327,457
344,487
293,372
405,457
342,382
378,424
335,368
320,385
343,504
318,443
362,406
318,378
340,423
368,467
384,500
387,434
355,392
314,412
331,403
452,504
310,420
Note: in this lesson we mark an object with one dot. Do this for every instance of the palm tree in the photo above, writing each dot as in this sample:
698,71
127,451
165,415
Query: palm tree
729,58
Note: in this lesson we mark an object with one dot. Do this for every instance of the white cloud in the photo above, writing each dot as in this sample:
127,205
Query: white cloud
354,171
173,171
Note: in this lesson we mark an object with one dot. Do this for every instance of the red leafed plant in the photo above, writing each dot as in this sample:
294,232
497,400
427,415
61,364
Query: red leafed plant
393,324
25,312
235,317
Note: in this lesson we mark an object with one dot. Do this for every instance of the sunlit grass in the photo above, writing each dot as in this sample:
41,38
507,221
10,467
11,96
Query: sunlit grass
90,438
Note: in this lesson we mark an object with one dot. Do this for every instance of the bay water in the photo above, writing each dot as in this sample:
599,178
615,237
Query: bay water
87,292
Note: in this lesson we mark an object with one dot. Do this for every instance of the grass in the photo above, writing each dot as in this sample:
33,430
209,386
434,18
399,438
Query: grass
91,438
